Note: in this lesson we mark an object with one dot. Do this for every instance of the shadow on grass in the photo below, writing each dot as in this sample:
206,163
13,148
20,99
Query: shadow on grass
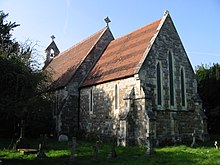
62,160
173,155
165,158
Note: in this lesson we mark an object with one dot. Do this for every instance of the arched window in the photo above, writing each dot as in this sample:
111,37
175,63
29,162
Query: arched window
91,102
51,53
170,60
159,85
183,92
116,97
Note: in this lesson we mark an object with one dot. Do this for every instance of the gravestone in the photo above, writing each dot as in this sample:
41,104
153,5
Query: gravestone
95,152
113,154
150,148
72,145
193,139
43,139
41,153
216,144
22,141
63,138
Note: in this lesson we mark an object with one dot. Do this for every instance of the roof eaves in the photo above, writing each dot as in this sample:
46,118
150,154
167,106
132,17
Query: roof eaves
105,81
165,15
103,30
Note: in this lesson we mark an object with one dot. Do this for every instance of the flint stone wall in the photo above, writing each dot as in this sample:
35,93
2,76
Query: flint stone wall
105,119
67,116
172,122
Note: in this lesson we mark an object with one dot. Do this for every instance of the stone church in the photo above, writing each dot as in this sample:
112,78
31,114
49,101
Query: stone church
137,87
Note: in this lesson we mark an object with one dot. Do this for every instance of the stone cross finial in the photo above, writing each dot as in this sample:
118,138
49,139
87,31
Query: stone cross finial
52,37
166,12
107,20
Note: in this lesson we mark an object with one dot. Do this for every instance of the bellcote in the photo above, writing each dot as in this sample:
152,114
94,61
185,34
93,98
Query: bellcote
51,51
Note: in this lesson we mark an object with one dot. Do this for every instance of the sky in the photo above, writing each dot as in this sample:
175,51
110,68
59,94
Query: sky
70,21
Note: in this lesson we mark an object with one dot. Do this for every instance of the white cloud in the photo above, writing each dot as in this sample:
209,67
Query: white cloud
67,16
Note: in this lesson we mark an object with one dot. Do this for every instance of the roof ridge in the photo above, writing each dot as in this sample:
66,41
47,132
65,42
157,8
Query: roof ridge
101,33
102,30
73,57
162,20
137,29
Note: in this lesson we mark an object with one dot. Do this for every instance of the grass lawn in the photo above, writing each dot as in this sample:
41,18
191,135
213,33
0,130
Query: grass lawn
58,154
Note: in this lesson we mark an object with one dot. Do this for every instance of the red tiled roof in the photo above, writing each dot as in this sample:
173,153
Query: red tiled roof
66,63
122,55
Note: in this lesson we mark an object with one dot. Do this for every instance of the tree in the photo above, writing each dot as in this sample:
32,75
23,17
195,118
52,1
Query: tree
209,90
23,89
6,43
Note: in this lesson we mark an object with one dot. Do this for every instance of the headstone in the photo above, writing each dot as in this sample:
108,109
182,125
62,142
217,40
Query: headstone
72,145
150,148
43,139
113,154
63,138
95,152
193,139
216,144
21,142
41,153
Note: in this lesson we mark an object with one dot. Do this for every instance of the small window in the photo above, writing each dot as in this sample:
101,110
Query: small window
91,101
116,97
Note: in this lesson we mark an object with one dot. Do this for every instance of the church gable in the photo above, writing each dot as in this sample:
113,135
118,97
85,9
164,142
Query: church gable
168,70
65,65
167,75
